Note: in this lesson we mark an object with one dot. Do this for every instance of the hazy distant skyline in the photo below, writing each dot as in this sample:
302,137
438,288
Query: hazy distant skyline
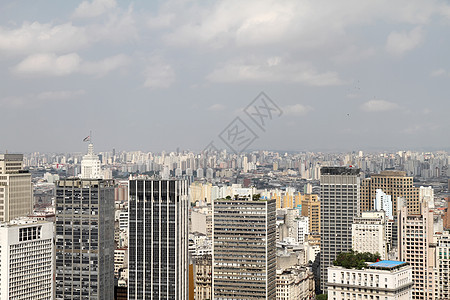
157,75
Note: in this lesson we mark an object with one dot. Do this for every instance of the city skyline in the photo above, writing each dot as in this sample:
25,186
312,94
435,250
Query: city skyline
377,71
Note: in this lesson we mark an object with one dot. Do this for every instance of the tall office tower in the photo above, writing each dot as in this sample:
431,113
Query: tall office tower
84,239
26,260
393,183
158,239
244,249
369,233
16,192
311,209
443,266
339,205
415,246
90,165
384,202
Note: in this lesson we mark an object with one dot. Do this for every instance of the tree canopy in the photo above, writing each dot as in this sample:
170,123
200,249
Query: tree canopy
355,260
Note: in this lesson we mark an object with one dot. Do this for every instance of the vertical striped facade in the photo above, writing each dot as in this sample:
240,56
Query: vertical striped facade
244,249
158,239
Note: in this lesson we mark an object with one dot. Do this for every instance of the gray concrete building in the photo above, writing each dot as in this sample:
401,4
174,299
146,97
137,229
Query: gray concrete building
158,239
339,204
244,249
85,239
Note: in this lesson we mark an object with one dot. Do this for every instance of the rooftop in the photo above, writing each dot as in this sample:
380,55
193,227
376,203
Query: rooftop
387,265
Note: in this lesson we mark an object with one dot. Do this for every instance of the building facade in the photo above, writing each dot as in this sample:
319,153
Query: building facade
393,183
203,277
295,283
443,266
244,249
311,209
26,260
383,280
16,191
90,165
369,233
84,239
416,246
158,239
339,205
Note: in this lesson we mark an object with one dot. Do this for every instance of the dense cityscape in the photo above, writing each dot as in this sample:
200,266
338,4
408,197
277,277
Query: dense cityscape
221,225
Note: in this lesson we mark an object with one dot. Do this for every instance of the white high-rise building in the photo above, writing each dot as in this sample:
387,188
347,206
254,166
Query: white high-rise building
90,165
416,246
426,194
369,233
443,266
302,224
26,260
383,201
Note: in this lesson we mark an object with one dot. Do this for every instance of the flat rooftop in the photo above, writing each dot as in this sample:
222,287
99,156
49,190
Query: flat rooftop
388,264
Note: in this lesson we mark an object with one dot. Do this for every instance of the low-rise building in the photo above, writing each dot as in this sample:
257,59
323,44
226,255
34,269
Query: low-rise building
383,280
295,283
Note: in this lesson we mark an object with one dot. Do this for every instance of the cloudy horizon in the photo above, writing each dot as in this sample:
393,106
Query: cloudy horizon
155,76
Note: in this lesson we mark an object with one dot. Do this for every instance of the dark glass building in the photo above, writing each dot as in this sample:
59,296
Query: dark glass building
158,239
85,239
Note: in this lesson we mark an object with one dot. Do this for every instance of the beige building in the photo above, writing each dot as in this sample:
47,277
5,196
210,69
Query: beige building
16,192
311,209
416,246
383,280
203,277
369,233
120,261
295,283
393,183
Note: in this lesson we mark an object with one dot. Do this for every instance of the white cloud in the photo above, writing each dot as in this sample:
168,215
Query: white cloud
294,23
158,74
297,109
50,64
95,8
36,37
105,66
379,106
400,42
216,107
59,95
273,69
439,73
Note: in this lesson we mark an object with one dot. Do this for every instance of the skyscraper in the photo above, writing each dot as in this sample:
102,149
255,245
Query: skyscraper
85,239
393,183
158,239
244,249
26,260
16,192
90,165
339,204
416,246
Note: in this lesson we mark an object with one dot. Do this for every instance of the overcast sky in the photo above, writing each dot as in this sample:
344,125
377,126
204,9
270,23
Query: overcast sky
157,75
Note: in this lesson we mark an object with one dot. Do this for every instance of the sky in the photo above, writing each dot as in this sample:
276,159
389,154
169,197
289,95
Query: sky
160,75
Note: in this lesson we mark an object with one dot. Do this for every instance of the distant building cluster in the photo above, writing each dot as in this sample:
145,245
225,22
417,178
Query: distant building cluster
219,225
